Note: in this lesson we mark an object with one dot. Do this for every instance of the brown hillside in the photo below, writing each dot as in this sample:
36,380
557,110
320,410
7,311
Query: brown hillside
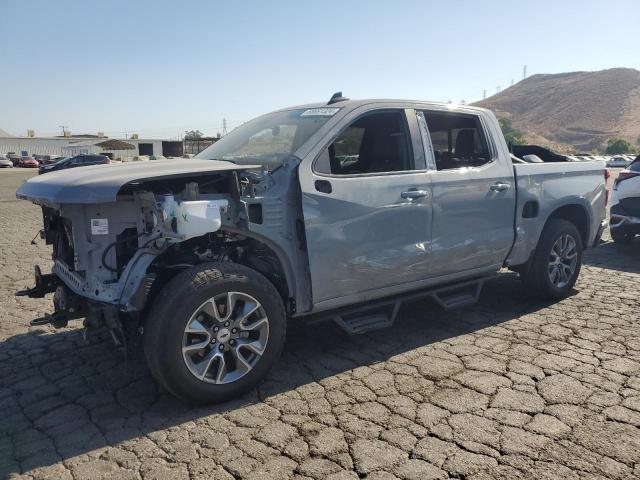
573,111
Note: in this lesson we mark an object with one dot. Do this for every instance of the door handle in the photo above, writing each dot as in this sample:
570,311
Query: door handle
499,187
414,194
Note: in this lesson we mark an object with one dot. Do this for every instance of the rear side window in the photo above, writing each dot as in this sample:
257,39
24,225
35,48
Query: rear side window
376,143
458,140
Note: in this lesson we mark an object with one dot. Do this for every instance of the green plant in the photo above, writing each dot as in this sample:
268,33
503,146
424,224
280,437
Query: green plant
618,145
511,134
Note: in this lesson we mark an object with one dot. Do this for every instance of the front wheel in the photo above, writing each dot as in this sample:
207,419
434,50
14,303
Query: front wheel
214,332
556,261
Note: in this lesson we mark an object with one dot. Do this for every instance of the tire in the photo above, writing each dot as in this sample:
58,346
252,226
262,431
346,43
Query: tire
538,278
188,294
621,236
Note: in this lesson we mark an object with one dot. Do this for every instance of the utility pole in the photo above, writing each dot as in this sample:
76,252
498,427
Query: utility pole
64,131
224,126
524,72
498,89
484,94
512,82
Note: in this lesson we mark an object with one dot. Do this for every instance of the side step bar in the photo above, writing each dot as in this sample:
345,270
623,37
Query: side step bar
383,313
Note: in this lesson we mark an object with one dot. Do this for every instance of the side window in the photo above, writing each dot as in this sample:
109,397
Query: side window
376,143
458,140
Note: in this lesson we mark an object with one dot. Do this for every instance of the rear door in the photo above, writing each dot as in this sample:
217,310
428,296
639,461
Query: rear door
473,194
366,205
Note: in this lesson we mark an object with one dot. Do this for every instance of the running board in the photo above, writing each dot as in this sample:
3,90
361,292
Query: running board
382,313
458,296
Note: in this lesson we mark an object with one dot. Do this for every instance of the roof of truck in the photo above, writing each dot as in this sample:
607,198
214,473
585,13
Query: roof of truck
351,104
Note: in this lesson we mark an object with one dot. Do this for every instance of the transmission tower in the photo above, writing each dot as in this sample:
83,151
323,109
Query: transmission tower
224,126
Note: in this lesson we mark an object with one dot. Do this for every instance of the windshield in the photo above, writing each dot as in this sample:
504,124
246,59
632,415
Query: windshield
62,160
270,139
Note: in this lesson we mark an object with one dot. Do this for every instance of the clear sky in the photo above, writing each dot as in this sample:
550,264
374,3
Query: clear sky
159,67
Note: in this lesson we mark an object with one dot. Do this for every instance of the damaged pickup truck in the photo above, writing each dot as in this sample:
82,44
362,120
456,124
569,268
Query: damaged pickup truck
336,211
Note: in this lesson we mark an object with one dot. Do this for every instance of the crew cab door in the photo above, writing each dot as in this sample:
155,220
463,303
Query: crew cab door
473,193
366,205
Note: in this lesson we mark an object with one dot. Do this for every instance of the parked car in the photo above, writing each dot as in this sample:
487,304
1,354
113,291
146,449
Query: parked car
617,162
306,214
5,162
47,159
73,162
28,162
14,157
625,204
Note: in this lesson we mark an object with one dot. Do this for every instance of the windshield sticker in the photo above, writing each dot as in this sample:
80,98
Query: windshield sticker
319,112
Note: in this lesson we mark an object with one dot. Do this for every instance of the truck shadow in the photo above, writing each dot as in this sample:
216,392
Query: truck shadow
62,398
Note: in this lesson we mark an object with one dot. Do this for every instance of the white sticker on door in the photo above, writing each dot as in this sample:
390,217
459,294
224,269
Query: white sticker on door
99,226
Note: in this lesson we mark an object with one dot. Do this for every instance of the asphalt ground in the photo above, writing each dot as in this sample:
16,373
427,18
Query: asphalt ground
509,388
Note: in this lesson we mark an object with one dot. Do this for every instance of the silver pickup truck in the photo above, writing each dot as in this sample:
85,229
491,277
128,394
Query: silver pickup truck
337,211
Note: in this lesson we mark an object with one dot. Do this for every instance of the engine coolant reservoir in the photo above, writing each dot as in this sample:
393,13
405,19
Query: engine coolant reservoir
197,217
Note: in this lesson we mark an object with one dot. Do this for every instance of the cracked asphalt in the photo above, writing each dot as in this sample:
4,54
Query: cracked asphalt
510,388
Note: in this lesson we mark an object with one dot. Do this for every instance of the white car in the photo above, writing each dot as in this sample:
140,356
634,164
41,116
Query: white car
625,204
5,162
617,162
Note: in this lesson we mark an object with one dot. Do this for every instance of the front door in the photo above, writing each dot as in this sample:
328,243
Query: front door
473,195
367,209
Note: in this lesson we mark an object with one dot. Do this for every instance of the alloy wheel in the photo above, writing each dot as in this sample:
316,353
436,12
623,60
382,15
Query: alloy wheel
225,338
563,260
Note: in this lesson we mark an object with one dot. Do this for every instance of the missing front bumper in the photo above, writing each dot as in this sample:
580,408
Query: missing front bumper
44,284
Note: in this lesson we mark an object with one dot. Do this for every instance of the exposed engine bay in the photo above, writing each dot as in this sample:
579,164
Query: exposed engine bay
111,258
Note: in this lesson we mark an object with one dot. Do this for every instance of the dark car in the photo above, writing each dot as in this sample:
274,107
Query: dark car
73,162
48,159
14,157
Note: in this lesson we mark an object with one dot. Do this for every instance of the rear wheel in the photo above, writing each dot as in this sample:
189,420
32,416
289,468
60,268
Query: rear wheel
620,235
556,261
214,332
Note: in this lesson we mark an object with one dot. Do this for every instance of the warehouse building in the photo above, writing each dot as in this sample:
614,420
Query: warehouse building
89,144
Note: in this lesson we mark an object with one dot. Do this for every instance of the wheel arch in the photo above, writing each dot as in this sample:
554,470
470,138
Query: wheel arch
574,212
281,275
578,215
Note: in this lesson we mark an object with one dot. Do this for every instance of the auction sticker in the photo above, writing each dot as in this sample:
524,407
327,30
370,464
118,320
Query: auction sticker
99,226
319,112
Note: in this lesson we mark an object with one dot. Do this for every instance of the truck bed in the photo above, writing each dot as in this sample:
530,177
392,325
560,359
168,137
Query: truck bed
544,187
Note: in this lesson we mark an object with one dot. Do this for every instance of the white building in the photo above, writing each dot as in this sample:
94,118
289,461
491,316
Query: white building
69,146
